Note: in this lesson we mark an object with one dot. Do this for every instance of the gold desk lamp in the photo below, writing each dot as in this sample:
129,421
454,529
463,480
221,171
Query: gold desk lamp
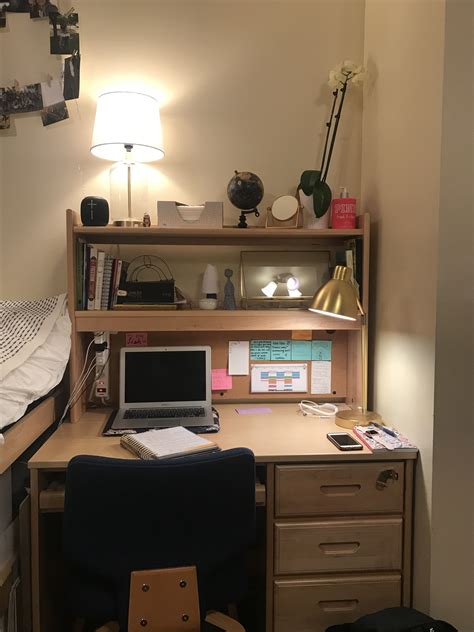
338,298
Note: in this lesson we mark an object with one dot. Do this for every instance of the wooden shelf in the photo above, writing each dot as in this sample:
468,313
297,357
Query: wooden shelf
215,236
203,320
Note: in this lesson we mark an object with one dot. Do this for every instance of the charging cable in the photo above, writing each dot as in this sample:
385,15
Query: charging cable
308,407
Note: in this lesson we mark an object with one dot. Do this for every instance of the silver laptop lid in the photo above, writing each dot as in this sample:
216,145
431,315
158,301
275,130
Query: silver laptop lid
159,377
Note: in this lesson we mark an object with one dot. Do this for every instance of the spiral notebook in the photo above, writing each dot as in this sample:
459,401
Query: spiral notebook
166,443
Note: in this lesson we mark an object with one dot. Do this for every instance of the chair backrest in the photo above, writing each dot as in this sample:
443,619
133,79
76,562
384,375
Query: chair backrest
125,515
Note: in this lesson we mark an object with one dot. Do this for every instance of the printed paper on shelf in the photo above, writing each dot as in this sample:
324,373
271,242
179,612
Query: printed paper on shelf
320,377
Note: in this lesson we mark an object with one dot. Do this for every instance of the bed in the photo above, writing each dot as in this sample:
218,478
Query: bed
34,350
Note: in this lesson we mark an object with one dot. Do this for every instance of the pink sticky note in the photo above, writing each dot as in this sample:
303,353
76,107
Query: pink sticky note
139,339
221,381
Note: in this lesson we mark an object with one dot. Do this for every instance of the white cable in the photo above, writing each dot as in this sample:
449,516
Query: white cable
80,381
308,407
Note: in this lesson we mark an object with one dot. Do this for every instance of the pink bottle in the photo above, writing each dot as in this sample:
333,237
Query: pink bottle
343,211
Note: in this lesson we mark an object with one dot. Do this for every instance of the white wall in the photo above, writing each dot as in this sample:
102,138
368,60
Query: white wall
452,550
417,183
242,87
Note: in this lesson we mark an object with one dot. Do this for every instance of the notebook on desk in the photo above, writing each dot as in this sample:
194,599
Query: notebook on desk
162,387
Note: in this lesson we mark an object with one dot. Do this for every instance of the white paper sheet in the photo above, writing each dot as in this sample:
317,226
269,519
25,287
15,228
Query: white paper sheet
320,377
281,378
238,357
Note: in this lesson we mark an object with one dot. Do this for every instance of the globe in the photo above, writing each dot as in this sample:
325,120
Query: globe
245,190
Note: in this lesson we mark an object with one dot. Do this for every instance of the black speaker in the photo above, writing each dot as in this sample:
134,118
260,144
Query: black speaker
94,211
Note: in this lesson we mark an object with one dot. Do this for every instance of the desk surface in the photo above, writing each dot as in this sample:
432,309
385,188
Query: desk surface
284,435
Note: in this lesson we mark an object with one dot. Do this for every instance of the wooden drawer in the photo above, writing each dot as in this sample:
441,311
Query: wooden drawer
338,545
337,489
313,605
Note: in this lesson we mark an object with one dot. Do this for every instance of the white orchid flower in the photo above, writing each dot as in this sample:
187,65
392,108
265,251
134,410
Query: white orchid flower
349,66
359,78
336,79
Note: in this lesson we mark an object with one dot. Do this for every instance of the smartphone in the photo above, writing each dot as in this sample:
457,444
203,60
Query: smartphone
344,441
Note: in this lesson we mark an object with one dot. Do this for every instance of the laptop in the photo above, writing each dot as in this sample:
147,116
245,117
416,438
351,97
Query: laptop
162,387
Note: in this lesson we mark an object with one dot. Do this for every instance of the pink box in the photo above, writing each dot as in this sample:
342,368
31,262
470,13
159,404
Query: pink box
343,213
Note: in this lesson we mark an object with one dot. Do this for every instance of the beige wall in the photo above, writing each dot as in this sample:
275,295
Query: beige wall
452,550
242,86
415,159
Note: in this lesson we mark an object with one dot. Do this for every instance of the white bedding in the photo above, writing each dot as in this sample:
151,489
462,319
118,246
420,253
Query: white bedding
34,351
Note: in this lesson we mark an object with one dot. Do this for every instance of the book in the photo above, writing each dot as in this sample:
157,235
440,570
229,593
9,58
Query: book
99,280
166,443
92,275
107,280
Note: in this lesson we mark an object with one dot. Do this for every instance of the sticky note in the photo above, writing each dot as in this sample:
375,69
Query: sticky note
260,349
321,350
238,357
320,377
253,411
301,350
139,339
220,380
281,350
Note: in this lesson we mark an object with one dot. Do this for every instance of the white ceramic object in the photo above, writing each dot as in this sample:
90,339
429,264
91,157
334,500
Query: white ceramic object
208,303
309,218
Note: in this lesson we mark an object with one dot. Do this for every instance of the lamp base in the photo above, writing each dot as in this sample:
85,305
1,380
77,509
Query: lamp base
128,221
351,418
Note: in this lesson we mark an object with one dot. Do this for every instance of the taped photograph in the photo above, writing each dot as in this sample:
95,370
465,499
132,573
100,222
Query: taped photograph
42,8
20,100
18,6
54,106
64,33
71,77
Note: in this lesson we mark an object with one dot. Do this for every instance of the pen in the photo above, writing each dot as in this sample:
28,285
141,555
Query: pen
385,429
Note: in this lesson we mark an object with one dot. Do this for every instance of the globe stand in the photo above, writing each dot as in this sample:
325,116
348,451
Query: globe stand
243,220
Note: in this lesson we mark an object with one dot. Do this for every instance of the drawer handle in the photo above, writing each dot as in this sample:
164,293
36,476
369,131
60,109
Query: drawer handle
339,548
340,490
348,605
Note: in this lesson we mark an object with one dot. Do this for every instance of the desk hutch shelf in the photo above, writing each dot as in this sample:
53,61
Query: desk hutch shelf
194,326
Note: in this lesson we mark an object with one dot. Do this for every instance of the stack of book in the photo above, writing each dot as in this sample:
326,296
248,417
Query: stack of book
98,277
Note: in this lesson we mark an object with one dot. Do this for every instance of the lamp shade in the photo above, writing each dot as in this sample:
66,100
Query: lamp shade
127,121
337,297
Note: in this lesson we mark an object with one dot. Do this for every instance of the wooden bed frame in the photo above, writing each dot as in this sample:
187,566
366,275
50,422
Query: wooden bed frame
26,430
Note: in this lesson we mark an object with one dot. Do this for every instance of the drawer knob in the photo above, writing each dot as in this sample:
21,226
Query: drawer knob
347,605
339,548
384,477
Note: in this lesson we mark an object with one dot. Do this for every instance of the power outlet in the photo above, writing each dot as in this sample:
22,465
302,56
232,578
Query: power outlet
102,346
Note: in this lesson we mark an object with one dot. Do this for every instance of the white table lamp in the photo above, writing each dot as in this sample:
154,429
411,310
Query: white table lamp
127,130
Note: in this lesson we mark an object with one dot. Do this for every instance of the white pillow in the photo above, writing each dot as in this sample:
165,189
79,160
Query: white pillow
38,374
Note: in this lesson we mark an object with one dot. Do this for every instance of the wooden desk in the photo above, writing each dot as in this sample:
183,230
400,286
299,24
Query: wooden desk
338,544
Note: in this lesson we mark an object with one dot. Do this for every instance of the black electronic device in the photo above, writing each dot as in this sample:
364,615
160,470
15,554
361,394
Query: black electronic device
344,441
94,211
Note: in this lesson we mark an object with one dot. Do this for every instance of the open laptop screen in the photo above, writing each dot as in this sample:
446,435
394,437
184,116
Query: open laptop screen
165,376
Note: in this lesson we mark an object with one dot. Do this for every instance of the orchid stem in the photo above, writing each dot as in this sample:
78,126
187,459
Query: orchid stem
333,139
328,125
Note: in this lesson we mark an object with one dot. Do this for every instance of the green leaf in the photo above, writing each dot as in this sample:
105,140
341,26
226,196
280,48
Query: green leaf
308,180
321,198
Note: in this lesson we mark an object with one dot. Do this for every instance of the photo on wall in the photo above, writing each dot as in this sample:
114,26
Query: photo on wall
42,8
19,100
3,15
64,33
71,77
18,6
54,106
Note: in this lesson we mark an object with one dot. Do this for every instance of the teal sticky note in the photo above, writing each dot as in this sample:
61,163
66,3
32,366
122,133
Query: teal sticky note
301,350
281,350
260,349
321,350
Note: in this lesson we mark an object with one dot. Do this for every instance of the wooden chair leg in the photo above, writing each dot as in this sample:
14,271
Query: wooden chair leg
223,621
109,627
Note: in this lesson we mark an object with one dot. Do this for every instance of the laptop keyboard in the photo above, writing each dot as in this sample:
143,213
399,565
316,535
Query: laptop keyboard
163,413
